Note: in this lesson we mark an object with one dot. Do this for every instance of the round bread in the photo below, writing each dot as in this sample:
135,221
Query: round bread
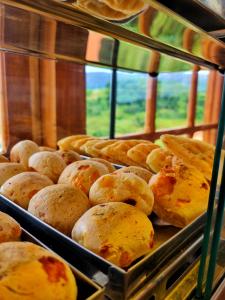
122,187
116,231
69,156
22,187
45,148
158,158
65,143
22,151
110,167
30,272
10,230
3,159
141,172
181,193
8,170
47,163
82,174
60,206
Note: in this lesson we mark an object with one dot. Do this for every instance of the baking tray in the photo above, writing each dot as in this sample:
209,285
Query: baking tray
119,283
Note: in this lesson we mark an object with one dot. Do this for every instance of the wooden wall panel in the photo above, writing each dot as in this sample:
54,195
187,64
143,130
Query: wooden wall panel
70,106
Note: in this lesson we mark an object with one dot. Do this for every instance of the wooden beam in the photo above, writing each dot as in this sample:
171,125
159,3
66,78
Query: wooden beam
177,131
150,112
192,101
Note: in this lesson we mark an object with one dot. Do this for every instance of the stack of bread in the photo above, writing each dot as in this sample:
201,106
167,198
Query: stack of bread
104,209
28,271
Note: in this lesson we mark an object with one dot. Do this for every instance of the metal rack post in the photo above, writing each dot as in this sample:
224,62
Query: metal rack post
211,209
113,95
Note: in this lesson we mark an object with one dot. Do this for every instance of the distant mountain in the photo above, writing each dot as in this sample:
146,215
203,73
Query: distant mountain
135,83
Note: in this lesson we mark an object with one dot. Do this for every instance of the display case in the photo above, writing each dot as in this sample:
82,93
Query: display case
47,49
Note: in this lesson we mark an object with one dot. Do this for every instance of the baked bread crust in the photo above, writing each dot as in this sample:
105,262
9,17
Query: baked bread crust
82,174
60,206
47,163
110,167
8,170
10,229
22,151
65,143
69,156
180,192
122,187
30,272
22,187
141,172
194,152
116,231
139,153
158,158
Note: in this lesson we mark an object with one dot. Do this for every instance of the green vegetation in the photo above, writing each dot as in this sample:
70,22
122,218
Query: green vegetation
130,116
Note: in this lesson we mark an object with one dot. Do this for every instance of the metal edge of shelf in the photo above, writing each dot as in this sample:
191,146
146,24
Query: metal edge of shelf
63,12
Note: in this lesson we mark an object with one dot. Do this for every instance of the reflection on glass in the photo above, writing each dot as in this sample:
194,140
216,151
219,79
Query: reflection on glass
97,101
172,99
131,99
201,96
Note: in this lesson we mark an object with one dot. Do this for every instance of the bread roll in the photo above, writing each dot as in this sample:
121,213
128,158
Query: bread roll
60,206
29,272
95,149
116,231
65,143
110,167
22,187
3,159
158,158
139,153
10,230
82,174
69,156
181,193
194,152
122,187
118,152
47,163
77,144
8,170
141,172
22,151
87,148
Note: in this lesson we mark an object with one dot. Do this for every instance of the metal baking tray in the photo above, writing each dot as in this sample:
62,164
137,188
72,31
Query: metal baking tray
119,283
87,289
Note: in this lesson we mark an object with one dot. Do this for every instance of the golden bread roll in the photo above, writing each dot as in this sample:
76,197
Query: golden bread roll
100,9
180,192
110,167
10,230
122,187
22,187
3,159
158,158
47,163
194,152
29,272
45,148
65,143
118,151
60,206
116,231
69,156
87,148
22,151
77,144
139,153
141,172
96,149
8,170
82,174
